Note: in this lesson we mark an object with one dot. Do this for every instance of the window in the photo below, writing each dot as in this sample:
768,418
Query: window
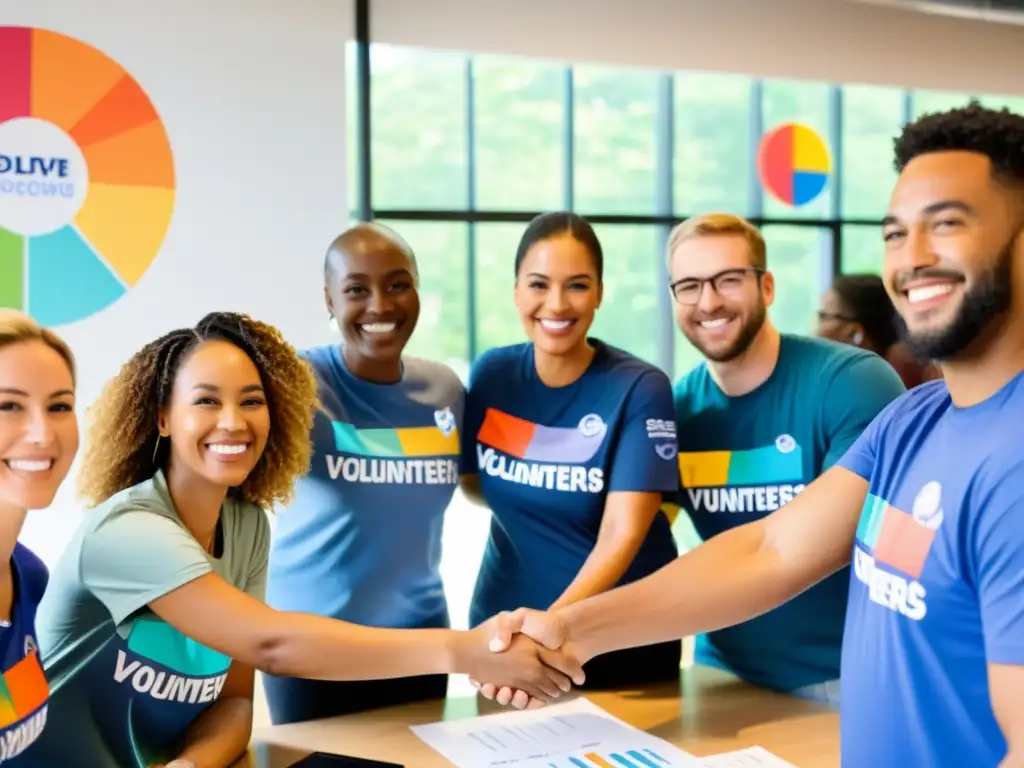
1013,103
714,166
519,122
872,118
927,102
440,248
863,249
418,121
797,102
615,152
629,317
798,258
497,321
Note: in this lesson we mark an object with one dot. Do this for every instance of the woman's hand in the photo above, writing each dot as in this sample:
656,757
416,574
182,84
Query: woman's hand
524,665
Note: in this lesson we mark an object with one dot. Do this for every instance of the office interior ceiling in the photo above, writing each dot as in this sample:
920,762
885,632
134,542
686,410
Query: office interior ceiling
997,11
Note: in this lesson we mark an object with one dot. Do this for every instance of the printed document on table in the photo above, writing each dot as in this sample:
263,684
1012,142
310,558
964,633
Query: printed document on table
752,757
574,734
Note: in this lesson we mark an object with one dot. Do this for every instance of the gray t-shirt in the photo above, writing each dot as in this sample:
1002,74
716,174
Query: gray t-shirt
124,684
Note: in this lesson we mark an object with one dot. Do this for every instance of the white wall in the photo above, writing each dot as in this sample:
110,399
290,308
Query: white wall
828,40
252,95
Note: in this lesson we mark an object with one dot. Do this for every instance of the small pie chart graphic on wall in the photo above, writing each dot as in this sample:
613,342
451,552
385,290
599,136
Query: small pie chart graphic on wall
793,164
86,177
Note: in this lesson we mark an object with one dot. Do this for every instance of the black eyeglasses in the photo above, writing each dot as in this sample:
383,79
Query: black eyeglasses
728,284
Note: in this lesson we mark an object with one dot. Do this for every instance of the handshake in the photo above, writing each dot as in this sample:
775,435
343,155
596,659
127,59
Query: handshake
523,658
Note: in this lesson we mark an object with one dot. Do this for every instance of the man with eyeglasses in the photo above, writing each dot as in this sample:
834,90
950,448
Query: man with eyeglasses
761,418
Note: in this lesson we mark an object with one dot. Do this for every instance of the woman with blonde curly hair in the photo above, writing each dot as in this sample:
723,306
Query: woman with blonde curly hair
38,441
154,620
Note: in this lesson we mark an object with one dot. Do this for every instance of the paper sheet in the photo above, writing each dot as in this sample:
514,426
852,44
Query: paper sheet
752,757
575,734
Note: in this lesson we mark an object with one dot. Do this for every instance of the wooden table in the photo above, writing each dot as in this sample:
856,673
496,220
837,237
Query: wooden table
708,712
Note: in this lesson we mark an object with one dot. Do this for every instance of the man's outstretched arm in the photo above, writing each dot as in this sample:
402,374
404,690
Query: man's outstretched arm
731,578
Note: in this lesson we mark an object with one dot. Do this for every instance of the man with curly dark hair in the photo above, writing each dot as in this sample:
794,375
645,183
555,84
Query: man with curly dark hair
154,618
927,504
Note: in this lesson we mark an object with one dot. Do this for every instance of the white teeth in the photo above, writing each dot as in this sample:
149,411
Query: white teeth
556,325
24,465
716,323
379,327
929,292
228,450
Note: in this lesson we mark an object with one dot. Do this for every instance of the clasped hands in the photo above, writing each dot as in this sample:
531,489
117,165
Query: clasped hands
529,660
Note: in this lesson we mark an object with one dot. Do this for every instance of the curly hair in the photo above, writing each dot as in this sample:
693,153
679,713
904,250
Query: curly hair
997,134
123,448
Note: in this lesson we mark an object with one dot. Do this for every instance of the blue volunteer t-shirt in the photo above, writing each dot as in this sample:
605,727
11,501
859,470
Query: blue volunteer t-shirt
935,595
362,540
548,458
741,458
24,692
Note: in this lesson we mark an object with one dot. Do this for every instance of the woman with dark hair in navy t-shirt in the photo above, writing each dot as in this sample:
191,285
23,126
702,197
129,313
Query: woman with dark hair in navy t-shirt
38,441
571,443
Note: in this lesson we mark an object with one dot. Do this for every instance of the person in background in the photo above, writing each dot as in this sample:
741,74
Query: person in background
38,442
571,443
927,503
362,540
154,618
858,311
762,417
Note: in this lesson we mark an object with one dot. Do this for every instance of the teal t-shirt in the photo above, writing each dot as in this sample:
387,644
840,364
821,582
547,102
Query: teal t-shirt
124,685
741,458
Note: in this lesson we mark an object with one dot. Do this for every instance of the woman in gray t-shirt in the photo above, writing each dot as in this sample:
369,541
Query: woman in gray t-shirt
154,619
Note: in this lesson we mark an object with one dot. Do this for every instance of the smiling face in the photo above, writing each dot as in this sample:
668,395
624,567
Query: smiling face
720,318
557,293
38,429
371,292
217,421
951,237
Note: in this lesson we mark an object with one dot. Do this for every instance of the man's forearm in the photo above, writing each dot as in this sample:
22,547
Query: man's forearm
731,578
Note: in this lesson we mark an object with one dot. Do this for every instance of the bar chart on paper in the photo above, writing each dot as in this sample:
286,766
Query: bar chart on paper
572,735
632,758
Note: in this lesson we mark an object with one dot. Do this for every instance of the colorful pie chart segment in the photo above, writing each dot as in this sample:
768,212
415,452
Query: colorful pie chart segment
793,164
87,180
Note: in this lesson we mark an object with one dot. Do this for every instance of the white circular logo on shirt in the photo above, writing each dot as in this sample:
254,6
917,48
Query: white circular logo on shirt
927,509
445,420
591,425
785,443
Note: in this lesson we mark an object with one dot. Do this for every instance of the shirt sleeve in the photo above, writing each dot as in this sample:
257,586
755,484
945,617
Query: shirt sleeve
858,393
645,453
997,559
472,419
135,557
256,581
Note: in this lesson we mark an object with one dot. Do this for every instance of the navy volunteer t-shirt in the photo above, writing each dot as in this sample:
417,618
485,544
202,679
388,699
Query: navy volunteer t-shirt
548,457
24,696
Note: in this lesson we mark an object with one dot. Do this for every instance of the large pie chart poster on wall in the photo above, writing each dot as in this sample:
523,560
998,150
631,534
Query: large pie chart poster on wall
86,177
